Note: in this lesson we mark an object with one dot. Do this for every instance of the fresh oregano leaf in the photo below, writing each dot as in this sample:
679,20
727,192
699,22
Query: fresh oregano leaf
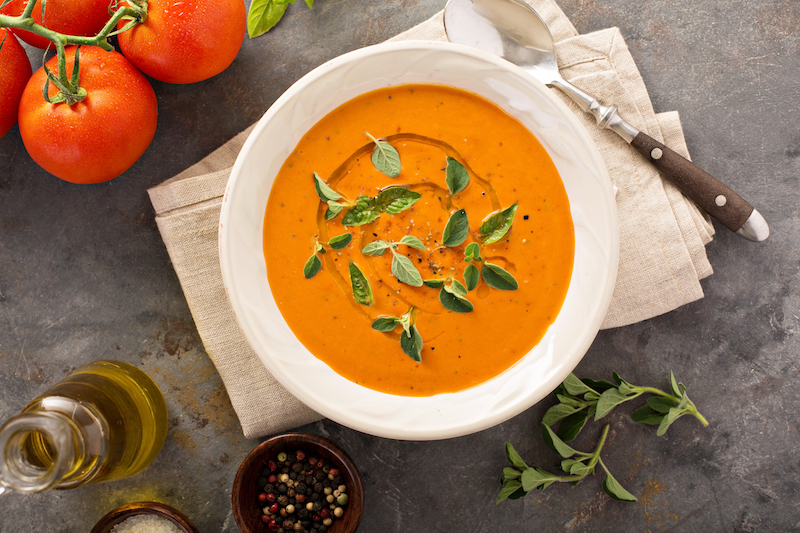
434,283
456,230
334,208
555,443
393,200
498,278
509,474
557,413
340,241
513,457
456,176
376,248
471,277
472,252
674,385
324,191
411,343
575,386
569,400
362,213
612,487
385,157
404,270
385,323
312,266
412,242
452,301
600,386
571,426
362,292
495,226
533,478
509,490
647,415
458,287
671,416
608,401
660,404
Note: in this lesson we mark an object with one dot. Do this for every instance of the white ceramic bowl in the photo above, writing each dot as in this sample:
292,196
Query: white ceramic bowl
593,211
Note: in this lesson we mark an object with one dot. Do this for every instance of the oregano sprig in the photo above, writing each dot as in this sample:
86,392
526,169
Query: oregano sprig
402,267
385,157
314,264
410,339
456,176
362,292
452,294
391,200
496,225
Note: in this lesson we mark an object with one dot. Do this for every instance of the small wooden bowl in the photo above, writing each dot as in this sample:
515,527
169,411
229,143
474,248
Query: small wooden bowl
144,508
246,507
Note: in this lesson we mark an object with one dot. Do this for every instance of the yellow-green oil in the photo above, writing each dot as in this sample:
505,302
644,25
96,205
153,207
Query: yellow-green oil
120,416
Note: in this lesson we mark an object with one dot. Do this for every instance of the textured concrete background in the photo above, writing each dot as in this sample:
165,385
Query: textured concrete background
84,275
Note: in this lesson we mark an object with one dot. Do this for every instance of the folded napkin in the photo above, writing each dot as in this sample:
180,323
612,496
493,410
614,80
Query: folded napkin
663,235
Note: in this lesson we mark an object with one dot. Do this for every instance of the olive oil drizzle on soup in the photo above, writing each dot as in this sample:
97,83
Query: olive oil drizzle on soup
507,165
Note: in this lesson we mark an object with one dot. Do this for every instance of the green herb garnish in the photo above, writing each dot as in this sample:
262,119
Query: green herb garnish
472,253
578,401
410,339
471,277
265,14
402,267
313,264
392,200
456,176
362,292
495,226
340,241
456,230
497,277
453,297
385,157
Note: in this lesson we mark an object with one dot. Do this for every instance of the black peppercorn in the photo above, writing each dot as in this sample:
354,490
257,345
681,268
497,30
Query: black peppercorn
283,500
269,487
309,479
266,471
300,487
262,481
302,513
315,497
282,488
319,474
297,467
318,487
293,475
322,528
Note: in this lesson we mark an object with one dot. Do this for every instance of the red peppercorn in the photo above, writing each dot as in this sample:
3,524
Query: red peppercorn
272,465
313,460
262,497
334,471
324,514
320,463
300,498
265,518
271,497
316,518
273,508
300,455
274,526
272,479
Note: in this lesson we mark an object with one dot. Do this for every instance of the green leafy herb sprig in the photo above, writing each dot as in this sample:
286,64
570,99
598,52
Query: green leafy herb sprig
402,267
265,14
314,264
385,157
410,339
579,400
391,200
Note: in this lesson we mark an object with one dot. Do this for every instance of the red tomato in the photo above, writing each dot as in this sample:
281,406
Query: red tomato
185,41
100,137
71,17
15,71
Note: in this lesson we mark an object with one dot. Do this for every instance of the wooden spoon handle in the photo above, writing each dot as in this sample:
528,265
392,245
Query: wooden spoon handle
716,198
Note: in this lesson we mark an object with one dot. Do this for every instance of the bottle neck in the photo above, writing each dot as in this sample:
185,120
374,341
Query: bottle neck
38,450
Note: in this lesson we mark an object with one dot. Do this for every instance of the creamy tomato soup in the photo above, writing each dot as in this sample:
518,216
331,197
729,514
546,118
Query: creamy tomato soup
430,127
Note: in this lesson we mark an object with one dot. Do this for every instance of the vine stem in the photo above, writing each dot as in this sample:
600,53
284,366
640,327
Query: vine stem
71,92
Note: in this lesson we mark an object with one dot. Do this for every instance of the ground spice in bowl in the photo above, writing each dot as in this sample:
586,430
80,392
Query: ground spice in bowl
146,523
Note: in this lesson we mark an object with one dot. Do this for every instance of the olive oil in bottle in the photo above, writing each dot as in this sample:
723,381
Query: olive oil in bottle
105,421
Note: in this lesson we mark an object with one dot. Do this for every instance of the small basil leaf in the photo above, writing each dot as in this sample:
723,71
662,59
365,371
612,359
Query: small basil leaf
385,323
456,176
340,241
453,301
413,242
411,343
312,266
612,487
471,277
393,200
497,225
375,248
498,278
362,292
385,158
263,16
404,270
434,283
324,191
456,229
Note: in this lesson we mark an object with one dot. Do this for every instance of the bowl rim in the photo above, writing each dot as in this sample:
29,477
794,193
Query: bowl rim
122,513
341,457
378,426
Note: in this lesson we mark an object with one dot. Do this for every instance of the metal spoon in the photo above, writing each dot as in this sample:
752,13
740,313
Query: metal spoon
512,30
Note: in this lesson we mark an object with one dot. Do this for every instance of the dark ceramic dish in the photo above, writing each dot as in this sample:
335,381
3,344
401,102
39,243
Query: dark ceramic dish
106,524
246,507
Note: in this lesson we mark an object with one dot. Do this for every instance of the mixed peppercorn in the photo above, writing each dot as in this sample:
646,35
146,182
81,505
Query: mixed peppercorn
301,493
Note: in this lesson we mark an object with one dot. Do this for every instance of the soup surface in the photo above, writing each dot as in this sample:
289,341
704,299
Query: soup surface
513,208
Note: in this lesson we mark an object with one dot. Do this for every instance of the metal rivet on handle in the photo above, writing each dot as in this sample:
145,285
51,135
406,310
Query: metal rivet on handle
720,200
656,153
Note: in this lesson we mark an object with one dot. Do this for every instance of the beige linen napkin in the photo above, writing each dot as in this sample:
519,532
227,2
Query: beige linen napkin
663,235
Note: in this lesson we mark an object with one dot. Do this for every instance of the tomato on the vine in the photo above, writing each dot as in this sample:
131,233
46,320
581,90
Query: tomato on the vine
185,41
101,136
72,17
15,71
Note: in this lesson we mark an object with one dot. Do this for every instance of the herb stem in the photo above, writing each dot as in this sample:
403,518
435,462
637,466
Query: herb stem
691,408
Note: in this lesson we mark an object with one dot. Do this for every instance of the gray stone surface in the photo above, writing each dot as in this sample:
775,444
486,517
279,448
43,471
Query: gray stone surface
84,275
